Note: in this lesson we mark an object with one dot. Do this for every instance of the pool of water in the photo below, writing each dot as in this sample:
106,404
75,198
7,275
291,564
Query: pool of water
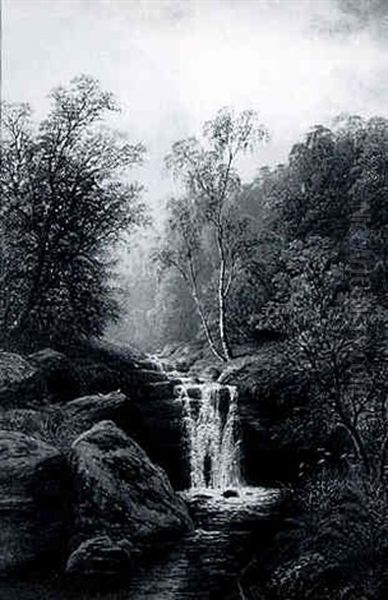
198,567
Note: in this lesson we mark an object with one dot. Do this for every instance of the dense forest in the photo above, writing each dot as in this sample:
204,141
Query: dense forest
279,283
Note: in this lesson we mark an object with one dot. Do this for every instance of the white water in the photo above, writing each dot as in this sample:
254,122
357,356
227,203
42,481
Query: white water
211,423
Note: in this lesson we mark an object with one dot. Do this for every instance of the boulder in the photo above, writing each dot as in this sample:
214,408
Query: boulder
98,407
121,494
230,494
20,382
33,502
100,556
85,412
164,436
102,367
57,372
61,425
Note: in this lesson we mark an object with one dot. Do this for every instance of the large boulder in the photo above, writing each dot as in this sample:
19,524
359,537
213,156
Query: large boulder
21,383
33,502
120,495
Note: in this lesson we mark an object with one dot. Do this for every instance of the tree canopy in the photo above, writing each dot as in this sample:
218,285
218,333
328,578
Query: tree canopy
65,200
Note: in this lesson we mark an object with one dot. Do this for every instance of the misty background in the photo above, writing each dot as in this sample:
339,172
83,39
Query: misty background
173,64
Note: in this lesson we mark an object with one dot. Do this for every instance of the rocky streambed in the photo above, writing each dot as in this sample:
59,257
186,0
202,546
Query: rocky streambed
86,504
204,565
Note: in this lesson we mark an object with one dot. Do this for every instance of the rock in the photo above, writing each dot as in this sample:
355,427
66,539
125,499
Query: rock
163,437
120,493
103,367
90,410
143,376
83,413
61,425
33,502
28,421
162,389
211,373
100,556
193,391
203,496
182,365
95,377
230,494
149,364
20,382
56,369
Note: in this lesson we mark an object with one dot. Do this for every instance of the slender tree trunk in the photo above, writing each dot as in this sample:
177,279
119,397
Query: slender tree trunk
221,300
192,282
205,327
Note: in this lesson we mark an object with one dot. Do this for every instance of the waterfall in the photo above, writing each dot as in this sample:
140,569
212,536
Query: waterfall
210,422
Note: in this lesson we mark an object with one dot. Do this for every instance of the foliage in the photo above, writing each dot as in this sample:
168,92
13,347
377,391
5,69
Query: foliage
64,203
336,544
337,334
325,294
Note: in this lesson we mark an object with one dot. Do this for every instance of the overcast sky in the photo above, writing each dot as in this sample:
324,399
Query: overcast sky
172,64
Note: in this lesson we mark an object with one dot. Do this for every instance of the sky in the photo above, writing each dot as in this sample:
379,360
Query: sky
172,64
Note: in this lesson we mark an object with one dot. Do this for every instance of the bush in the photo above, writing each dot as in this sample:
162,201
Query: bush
337,543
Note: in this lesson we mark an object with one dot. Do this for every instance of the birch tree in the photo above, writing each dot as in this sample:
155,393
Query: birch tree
208,169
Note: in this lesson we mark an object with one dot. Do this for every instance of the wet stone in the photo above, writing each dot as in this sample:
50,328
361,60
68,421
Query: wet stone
230,494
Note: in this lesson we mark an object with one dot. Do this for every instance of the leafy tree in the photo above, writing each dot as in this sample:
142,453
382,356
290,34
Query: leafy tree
336,333
206,216
334,186
64,204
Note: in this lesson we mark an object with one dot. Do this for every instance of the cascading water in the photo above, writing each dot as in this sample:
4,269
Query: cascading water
211,425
